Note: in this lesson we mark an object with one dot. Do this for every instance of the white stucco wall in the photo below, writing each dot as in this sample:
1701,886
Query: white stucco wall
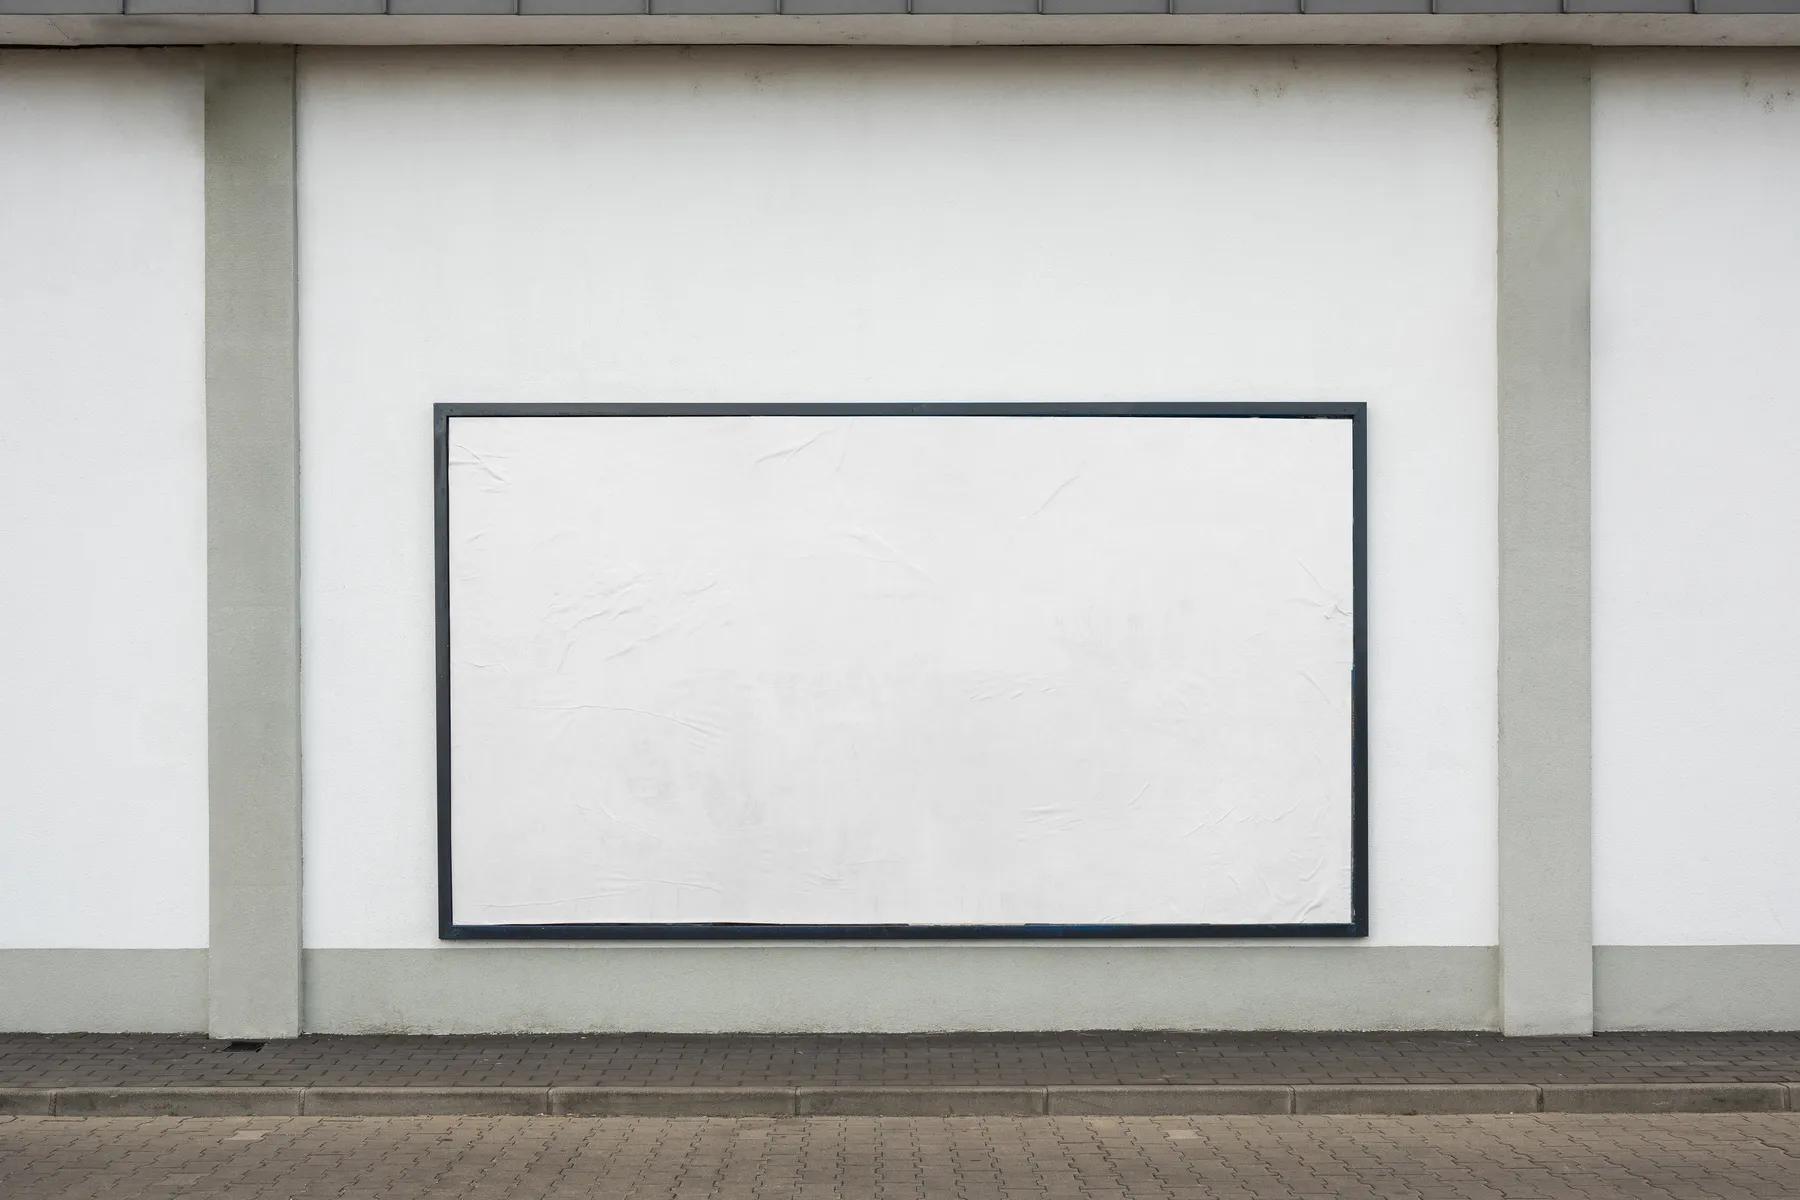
1696,498
102,501
761,224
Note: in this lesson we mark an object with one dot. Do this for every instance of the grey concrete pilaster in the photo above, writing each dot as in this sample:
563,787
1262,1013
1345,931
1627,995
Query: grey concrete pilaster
1546,901
252,452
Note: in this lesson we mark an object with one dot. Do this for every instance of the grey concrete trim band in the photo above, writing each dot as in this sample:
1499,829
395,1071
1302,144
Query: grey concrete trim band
252,466
1697,988
1546,792
102,991
895,988
1401,1099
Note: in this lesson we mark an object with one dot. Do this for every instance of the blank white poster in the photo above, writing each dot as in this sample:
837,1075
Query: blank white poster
901,670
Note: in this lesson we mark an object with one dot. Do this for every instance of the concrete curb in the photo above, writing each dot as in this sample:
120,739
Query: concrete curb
178,1102
671,1102
425,1101
1668,1097
1140,1100
920,1101
1405,1100
1169,1100
27,1102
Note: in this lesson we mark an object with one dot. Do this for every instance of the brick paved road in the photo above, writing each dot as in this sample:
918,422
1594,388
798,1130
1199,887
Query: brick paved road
1384,1158
649,1060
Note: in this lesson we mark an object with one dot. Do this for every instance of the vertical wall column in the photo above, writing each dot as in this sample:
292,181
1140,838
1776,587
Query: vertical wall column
1546,792
253,630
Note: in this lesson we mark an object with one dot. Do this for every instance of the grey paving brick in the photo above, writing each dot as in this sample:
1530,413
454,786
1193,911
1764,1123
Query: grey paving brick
1742,1156
903,1060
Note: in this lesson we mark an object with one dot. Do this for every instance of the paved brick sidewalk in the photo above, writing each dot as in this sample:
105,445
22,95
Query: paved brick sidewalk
1095,1059
1348,1158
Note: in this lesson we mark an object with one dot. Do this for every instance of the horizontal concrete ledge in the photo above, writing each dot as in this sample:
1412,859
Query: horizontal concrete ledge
672,1102
27,1102
920,8
1169,1100
1313,9
425,1102
178,1102
1158,1100
1668,1097
1418,1099
920,1101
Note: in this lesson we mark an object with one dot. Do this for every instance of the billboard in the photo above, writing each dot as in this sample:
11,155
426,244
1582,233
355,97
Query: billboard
978,670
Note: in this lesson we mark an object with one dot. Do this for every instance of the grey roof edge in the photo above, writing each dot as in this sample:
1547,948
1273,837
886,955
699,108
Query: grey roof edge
1636,23
890,8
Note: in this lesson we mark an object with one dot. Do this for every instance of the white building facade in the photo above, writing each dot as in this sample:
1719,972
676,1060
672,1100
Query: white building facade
1554,279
